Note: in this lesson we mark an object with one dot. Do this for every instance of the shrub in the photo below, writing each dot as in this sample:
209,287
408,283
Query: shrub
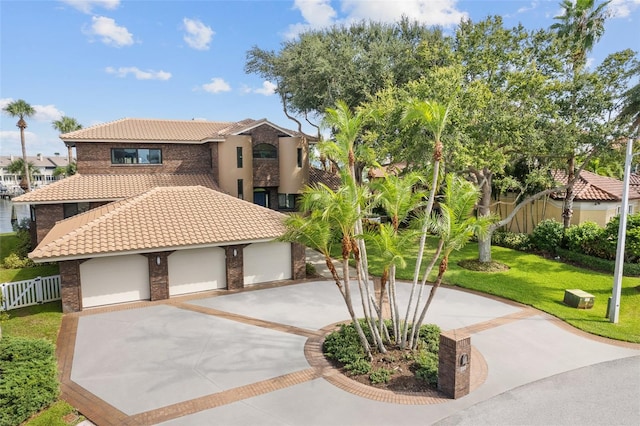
29,378
632,241
310,269
547,236
430,336
512,240
598,264
344,346
13,261
381,375
427,367
584,238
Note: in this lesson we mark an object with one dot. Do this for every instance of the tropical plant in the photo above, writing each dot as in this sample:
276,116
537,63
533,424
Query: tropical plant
579,27
21,109
17,167
66,125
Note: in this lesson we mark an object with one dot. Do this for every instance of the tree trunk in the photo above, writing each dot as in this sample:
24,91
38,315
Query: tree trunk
484,249
567,211
444,263
22,125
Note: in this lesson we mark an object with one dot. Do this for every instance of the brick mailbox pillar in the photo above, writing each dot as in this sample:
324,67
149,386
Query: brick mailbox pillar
454,365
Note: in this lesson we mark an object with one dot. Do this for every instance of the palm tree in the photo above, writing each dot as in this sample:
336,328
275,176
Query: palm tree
22,109
433,116
579,27
631,107
66,125
17,167
455,225
332,213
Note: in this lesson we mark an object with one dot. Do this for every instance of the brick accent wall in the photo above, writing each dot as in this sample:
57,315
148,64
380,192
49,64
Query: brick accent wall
95,158
70,286
454,365
298,262
159,275
46,216
215,162
266,171
235,266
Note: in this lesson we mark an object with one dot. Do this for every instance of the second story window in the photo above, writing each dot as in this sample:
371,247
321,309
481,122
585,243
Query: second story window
265,150
239,156
240,189
299,157
136,156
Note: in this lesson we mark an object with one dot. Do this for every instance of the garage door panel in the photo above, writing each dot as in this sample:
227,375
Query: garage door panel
114,279
195,270
264,262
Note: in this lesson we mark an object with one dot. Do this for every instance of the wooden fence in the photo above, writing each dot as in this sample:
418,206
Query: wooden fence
30,292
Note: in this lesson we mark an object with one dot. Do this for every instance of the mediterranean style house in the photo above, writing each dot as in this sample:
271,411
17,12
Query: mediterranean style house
166,207
597,199
45,166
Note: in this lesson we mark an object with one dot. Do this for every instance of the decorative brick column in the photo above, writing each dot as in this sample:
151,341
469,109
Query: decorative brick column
454,366
298,261
70,288
159,275
235,266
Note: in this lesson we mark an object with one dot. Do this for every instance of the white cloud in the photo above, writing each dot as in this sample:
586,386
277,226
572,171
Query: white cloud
87,6
267,89
110,32
320,14
47,113
622,8
138,73
198,35
430,12
44,113
217,85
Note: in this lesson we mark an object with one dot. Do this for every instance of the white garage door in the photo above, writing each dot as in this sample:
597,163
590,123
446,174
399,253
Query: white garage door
264,262
197,270
114,279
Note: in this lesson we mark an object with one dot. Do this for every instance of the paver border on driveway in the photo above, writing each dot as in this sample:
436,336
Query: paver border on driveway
103,413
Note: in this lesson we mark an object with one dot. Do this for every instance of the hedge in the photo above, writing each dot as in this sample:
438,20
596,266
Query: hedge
29,378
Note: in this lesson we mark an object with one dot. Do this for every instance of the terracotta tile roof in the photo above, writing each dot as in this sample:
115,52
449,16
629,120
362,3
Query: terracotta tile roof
593,187
109,187
175,131
317,176
165,218
138,129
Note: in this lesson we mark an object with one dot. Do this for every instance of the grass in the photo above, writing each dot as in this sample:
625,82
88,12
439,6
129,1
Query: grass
35,322
59,413
8,243
539,282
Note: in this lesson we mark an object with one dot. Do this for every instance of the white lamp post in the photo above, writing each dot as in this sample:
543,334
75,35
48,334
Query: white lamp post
614,308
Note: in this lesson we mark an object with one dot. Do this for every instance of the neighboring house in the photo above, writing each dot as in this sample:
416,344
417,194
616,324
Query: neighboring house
597,199
45,165
147,217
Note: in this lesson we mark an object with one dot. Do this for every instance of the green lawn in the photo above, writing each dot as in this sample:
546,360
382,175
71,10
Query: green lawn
539,282
8,243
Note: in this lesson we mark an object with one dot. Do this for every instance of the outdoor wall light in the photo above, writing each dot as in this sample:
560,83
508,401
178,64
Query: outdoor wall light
158,260
235,252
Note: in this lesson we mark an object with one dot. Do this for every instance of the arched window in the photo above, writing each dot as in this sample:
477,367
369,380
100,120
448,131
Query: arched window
265,150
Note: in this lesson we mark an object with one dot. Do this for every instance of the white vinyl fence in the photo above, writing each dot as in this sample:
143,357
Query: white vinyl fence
30,292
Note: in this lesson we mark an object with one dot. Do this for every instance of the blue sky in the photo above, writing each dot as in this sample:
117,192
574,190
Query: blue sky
102,60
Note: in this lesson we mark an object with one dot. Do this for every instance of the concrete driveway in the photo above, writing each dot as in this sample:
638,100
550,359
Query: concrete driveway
246,359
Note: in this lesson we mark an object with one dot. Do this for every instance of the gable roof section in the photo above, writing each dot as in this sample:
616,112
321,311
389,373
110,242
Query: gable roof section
593,187
46,161
317,176
165,218
82,188
171,131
